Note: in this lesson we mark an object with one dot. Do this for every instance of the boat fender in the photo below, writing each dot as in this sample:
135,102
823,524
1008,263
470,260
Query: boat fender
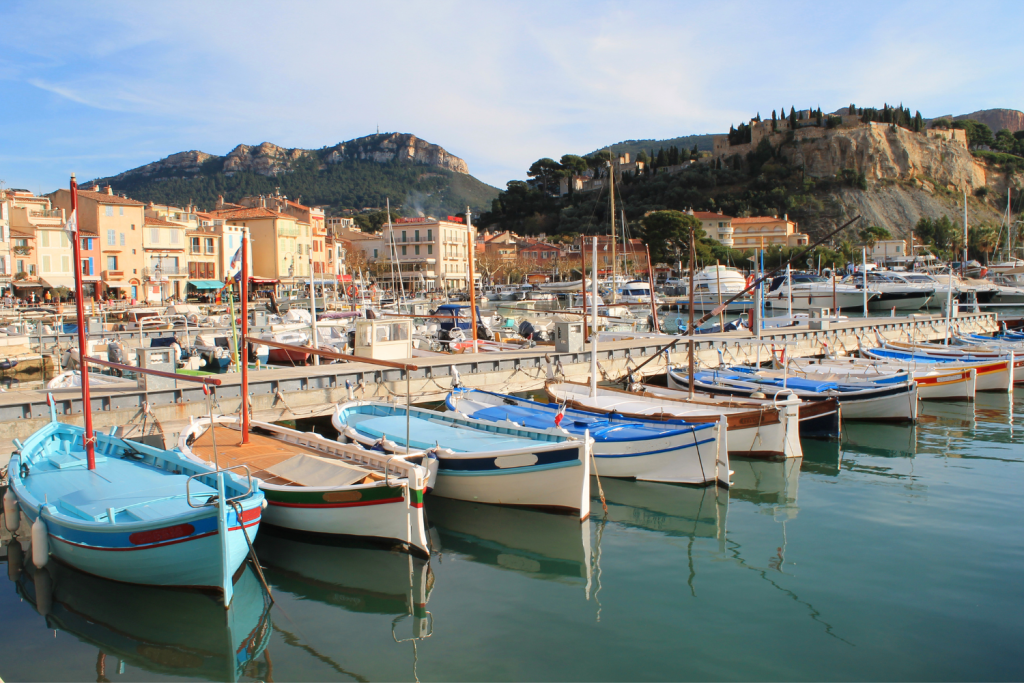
44,591
456,378
264,504
348,388
40,542
15,561
12,513
758,394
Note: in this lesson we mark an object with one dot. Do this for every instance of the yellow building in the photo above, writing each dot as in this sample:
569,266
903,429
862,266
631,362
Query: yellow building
752,232
432,254
718,226
166,270
117,224
281,244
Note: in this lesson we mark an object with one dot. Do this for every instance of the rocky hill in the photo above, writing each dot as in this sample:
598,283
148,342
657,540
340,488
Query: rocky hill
415,174
997,119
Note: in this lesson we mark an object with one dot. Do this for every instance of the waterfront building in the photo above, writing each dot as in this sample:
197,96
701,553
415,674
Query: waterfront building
281,243
166,272
431,253
6,260
758,231
116,223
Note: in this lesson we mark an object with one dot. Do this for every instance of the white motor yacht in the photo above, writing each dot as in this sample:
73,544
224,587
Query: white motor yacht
636,292
813,291
893,290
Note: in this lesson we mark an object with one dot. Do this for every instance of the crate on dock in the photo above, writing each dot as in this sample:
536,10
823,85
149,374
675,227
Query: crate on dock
160,358
569,337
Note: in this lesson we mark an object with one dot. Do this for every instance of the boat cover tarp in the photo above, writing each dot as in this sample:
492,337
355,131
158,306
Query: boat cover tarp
310,470
426,434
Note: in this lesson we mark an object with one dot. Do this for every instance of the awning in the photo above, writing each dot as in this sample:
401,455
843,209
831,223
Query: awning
262,281
206,284
55,282
18,283
118,285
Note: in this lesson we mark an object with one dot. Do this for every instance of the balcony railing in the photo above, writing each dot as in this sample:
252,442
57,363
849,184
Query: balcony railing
164,271
113,275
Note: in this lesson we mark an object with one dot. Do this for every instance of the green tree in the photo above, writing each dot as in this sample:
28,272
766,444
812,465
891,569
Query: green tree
573,164
792,118
874,234
978,134
667,232
546,172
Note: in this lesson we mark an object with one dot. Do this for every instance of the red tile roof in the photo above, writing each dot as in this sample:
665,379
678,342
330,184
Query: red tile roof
711,216
161,222
243,213
104,198
758,219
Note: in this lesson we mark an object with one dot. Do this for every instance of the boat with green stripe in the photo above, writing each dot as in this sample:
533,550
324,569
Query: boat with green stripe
317,486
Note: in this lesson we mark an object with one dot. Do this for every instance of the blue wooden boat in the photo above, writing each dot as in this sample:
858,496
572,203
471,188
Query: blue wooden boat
159,630
675,452
478,460
143,515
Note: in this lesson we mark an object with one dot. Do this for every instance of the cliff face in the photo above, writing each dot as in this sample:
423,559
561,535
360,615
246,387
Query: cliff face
884,153
269,159
396,146
997,119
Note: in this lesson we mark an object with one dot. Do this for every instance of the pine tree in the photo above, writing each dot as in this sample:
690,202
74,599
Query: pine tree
773,115
852,111
792,118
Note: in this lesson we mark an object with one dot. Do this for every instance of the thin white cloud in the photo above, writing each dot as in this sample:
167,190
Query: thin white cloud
498,84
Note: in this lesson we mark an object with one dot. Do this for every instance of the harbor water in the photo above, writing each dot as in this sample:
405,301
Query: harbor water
894,554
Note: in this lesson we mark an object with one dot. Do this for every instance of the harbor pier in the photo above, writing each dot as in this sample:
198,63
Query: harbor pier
282,393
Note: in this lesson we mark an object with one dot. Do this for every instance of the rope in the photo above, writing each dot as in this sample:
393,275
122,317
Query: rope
252,551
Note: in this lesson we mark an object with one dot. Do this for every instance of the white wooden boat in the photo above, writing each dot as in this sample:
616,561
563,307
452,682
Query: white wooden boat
318,486
753,430
694,453
476,459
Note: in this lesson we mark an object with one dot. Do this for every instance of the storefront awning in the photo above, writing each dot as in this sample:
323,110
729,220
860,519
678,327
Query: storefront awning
55,282
206,284
263,281
19,283
118,285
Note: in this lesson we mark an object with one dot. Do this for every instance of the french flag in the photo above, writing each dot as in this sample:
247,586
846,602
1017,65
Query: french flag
560,415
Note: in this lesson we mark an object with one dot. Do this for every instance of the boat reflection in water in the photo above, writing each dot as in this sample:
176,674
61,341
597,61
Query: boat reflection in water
684,511
161,630
359,578
538,544
772,482
822,457
886,439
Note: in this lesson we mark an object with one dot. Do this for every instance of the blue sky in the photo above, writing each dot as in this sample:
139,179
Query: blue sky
100,87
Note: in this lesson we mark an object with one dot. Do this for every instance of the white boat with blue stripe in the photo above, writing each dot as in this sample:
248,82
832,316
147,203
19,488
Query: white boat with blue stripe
478,460
695,453
143,515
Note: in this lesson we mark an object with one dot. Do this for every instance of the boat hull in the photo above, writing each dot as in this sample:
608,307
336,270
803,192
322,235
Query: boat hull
378,513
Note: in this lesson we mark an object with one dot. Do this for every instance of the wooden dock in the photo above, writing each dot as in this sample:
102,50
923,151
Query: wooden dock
293,393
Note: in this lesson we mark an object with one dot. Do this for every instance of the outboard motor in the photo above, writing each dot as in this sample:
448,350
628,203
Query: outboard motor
526,330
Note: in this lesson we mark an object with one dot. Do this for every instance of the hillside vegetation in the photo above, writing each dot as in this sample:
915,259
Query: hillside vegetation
417,177
881,166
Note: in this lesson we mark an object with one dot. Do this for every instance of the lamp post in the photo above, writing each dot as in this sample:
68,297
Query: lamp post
157,274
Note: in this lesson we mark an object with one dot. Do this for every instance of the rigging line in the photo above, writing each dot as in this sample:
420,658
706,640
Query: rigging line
290,639
763,573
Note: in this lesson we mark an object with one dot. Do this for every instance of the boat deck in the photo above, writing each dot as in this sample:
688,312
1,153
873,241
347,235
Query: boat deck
90,495
264,453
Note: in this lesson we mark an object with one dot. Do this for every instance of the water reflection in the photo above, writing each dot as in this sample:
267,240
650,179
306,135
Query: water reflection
537,544
357,578
761,481
666,509
887,439
164,631
822,457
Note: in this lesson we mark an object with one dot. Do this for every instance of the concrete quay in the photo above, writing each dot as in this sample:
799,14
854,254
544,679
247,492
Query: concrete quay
299,392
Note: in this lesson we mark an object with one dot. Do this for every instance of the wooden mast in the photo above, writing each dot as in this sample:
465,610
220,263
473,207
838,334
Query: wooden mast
244,351
83,350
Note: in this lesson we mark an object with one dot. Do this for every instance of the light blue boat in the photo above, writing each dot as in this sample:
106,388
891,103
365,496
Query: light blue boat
672,452
143,515
478,460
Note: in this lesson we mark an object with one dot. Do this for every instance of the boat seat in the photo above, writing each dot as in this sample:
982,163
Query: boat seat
91,502
71,455
310,470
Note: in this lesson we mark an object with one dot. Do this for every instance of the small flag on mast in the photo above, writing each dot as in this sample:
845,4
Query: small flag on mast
71,227
560,415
